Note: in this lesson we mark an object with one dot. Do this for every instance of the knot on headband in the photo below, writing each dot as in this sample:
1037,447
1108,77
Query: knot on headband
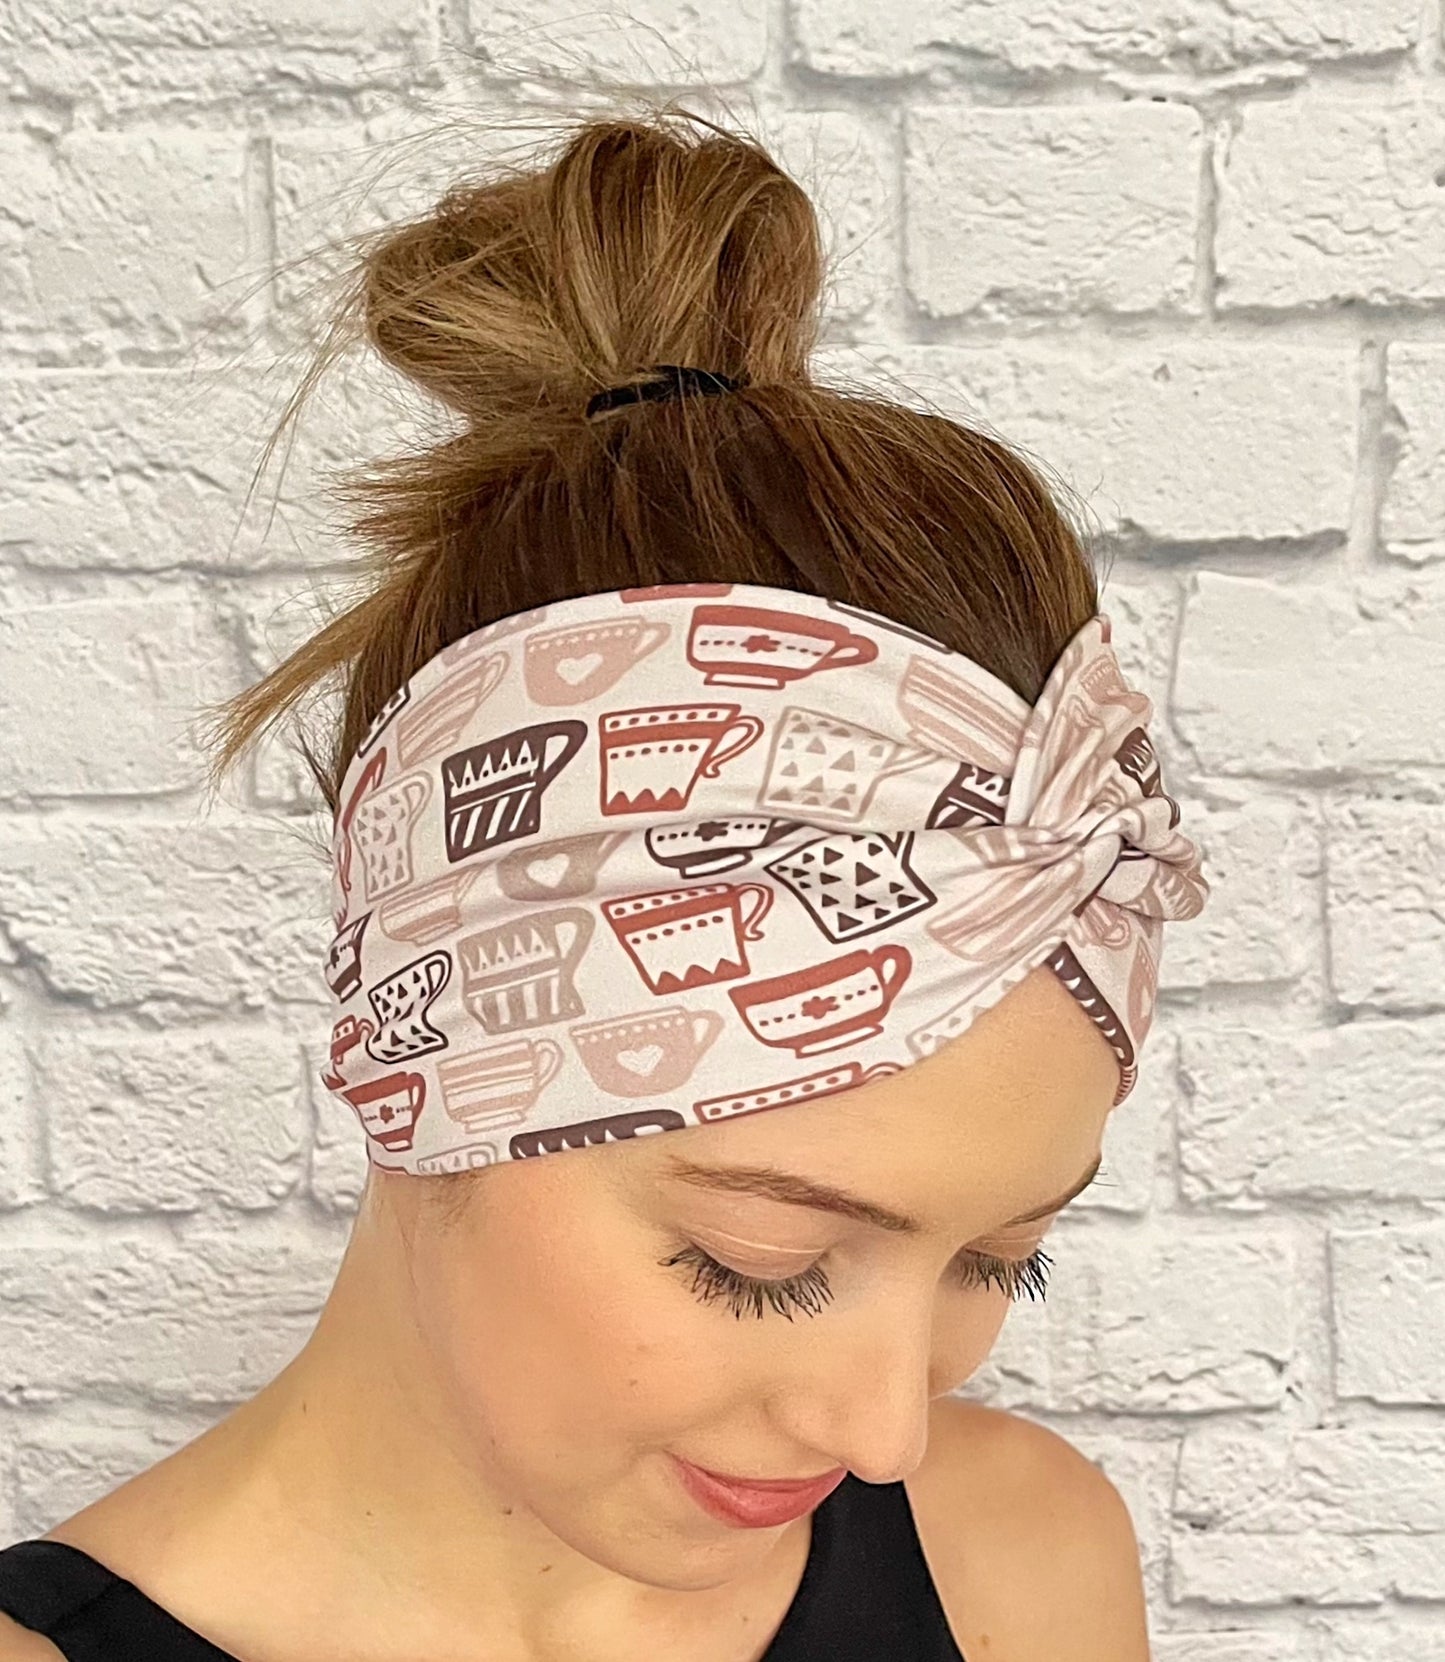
656,857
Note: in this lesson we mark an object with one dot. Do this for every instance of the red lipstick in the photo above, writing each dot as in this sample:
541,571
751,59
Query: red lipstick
755,1503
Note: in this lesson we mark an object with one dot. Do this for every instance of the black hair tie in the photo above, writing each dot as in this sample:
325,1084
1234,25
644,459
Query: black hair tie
677,381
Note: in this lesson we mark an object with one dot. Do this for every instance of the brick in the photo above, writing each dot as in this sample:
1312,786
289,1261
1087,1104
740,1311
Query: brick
133,672
119,56
1384,874
1055,207
1415,1566
1152,1322
1174,442
132,469
20,1168
1412,514
207,1322
1260,923
167,1124
1237,1644
143,470
952,37
1243,1571
1346,1638
1389,1313
122,240
168,917
1274,1114
1361,662
1328,200
667,41
1276,1480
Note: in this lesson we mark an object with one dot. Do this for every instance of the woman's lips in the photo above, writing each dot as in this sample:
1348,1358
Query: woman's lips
756,1503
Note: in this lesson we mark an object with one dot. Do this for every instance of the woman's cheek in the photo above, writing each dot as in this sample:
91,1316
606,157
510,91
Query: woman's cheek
966,1331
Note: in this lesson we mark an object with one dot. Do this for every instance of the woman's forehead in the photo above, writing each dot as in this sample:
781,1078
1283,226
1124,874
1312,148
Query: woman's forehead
1026,1089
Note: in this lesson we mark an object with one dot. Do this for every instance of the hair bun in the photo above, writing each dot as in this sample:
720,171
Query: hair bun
533,291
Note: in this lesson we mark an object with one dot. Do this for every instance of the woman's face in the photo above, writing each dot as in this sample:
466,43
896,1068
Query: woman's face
574,1360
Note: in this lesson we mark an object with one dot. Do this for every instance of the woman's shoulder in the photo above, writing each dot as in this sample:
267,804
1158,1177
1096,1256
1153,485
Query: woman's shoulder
125,1529
1027,1540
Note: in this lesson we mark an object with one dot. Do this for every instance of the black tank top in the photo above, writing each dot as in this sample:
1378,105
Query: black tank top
866,1593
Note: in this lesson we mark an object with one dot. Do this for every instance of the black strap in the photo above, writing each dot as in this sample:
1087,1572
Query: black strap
89,1612
676,381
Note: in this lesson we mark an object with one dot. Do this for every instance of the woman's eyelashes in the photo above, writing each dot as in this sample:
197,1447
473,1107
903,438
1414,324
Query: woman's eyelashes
810,1290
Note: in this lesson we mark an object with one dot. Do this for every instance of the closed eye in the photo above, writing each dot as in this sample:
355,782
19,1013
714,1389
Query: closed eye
810,1291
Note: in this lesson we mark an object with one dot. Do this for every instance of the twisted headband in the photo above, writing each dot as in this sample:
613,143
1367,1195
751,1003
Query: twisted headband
656,857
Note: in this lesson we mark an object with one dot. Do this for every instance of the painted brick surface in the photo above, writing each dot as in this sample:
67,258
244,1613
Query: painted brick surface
1188,257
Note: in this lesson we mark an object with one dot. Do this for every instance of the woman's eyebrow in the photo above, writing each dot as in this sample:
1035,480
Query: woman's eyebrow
770,1183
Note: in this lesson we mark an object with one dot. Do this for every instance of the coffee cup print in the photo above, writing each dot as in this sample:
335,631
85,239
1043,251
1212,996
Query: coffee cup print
657,1117
680,938
381,831
754,646
343,959
436,722
520,974
341,845
346,1034
829,769
667,591
569,666
874,621
383,717
463,651
389,1108
427,912
709,847
646,1053
974,797
826,1006
652,757
492,792
465,1157
854,882
563,869
824,1082
946,714
497,1084
400,1004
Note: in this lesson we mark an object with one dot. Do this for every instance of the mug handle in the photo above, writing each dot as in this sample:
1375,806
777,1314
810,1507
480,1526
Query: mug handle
710,1024
489,673
571,734
853,649
417,782
752,727
752,919
892,964
551,1059
653,635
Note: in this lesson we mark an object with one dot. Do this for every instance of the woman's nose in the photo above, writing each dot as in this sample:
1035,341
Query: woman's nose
866,1403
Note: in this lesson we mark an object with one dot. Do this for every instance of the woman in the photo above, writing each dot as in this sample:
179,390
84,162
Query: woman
711,740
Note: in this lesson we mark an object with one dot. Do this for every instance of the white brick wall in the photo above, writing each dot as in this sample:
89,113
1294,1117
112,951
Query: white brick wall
1191,257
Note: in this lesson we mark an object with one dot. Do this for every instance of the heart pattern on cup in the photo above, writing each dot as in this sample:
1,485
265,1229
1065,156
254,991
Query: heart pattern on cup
641,1062
574,671
548,872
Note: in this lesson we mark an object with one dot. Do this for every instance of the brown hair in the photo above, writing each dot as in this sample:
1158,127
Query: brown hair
644,241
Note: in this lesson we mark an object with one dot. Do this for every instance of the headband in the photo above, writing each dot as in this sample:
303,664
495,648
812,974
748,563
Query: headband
658,857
